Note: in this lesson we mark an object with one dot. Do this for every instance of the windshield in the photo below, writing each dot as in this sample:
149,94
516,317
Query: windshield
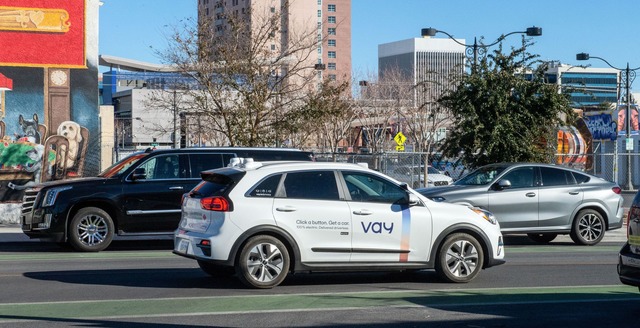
122,165
484,175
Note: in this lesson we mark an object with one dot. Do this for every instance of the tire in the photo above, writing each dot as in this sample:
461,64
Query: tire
91,230
460,258
542,238
215,270
263,262
588,228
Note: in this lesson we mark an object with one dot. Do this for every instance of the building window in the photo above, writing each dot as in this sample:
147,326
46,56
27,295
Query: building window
331,54
331,19
331,8
331,66
319,13
320,2
332,77
332,31
273,9
273,47
331,43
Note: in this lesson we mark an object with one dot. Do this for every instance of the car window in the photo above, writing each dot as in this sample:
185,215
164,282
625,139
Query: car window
365,187
581,178
522,177
203,162
556,177
162,167
481,176
266,187
432,170
311,185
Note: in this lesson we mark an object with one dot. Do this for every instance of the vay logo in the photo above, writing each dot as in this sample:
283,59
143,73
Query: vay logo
377,227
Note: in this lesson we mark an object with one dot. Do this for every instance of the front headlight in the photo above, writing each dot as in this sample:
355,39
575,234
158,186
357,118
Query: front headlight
51,195
485,214
437,198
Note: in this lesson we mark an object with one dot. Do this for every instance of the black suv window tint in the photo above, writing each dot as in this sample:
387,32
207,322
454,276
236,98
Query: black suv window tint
311,185
522,177
162,167
267,187
554,177
203,162
365,187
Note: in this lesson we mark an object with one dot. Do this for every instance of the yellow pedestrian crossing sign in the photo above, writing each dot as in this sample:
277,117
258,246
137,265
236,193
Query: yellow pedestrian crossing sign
400,139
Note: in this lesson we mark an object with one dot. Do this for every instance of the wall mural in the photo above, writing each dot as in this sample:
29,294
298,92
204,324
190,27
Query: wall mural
49,103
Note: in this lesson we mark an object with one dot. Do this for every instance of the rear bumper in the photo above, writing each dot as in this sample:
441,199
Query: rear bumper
629,267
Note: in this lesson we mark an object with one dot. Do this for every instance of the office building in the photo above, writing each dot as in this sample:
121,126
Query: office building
429,62
589,87
331,19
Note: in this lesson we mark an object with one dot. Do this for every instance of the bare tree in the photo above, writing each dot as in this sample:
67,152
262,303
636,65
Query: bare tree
247,76
382,109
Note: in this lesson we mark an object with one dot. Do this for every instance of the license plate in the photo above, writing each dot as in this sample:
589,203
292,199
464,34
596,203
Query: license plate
183,246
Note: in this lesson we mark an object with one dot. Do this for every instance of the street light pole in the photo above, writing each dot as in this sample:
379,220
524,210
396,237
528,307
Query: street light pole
476,49
628,74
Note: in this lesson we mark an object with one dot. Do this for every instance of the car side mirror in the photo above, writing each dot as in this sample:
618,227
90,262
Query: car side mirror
139,174
413,199
502,184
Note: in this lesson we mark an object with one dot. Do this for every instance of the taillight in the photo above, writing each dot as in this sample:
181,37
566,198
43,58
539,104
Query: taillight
215,203
617,190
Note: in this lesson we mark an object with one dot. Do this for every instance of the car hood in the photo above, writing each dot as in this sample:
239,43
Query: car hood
72,182
450,190
437,177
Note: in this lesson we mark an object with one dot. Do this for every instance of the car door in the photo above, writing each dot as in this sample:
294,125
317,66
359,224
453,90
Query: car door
383,229
559,196
311,208
152,204
517,206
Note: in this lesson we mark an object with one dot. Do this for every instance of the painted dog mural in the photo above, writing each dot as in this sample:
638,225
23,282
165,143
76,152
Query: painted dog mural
49,104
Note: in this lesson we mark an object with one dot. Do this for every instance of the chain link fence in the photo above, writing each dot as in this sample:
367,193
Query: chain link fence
622,168
403,166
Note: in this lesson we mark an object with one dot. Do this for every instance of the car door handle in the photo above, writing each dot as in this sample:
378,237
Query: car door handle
530,194
286,209
176,188
573,192
362,212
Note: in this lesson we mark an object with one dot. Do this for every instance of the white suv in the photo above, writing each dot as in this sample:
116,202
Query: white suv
264,220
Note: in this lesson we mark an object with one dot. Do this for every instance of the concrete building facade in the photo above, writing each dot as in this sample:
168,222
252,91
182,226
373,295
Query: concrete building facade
432,61
330,18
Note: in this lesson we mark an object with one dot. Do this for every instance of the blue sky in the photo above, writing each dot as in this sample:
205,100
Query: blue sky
129,28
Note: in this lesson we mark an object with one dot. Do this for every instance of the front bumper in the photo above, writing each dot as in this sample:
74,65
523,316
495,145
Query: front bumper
629,267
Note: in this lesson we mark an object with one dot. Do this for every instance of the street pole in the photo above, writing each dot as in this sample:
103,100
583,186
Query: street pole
175,118
628,121
628,74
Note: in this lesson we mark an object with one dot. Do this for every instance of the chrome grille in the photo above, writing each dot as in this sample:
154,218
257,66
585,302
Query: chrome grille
440,183
29,200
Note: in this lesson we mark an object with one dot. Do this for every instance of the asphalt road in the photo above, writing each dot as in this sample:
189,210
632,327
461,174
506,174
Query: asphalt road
140,284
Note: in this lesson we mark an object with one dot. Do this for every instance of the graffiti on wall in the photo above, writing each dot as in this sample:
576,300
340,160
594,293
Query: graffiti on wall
602,125
575,143
48,93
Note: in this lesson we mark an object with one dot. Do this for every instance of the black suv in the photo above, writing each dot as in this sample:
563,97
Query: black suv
139,195
629,256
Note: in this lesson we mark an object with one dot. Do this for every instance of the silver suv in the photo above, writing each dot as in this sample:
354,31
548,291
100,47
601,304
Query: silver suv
540,200
264,220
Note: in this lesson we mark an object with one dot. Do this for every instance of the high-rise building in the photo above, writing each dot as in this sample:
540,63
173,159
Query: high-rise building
429,62
589,87
330,18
